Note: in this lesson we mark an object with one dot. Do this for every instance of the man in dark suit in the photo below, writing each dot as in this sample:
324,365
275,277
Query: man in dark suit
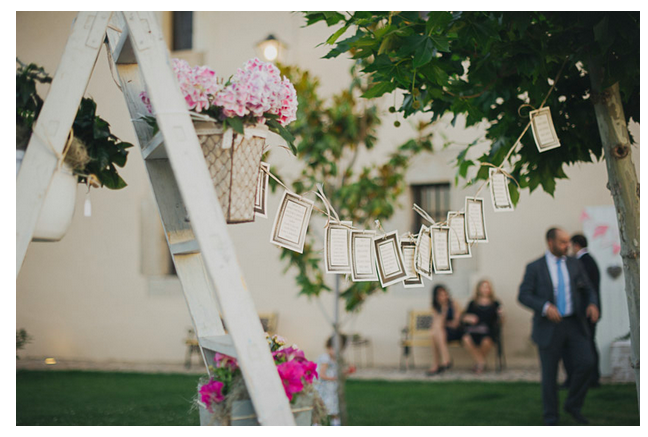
558,291
579,249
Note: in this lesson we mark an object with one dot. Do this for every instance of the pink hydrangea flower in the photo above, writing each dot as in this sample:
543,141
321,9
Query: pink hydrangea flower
211,393
147,102
291,374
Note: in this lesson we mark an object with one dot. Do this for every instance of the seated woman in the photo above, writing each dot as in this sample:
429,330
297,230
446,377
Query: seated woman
480,320
445,327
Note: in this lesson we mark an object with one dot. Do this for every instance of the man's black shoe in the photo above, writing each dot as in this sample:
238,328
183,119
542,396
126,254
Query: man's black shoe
578,417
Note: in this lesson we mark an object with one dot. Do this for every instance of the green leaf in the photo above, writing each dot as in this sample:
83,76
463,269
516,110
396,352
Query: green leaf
379,89
236,124
441,43
337,34
423,53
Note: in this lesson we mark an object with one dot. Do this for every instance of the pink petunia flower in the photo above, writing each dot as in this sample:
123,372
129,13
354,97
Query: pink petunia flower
211,393
310,371
222,360
291,374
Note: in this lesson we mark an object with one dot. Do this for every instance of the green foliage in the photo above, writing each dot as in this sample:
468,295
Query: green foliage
105,150
485,65
22,338
329,136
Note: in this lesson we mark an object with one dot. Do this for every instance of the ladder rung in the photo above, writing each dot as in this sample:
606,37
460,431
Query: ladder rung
219,343
124,53
185,247
155,148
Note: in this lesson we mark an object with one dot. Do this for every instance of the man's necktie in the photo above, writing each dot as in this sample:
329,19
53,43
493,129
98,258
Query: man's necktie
562,292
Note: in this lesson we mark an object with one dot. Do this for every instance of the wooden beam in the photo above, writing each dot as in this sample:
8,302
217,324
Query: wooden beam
208,223
54,122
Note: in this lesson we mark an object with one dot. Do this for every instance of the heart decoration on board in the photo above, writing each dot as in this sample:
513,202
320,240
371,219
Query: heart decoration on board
614,271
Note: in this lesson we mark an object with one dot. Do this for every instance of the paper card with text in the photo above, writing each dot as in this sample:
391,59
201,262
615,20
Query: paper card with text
363,256
291,222
337,247
440,250
459,246
475,221
423,253
261,198
413,279
389,259
544,132
499,190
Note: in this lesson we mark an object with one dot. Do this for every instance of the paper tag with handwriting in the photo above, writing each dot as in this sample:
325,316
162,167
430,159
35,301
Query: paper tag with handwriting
544,132
500,194
440,249
337,248
475,221
459,246
261,198
423,253
363,256
389,259
291,222
408,249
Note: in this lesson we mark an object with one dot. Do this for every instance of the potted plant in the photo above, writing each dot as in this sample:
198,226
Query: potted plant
231,121
90,156
224,400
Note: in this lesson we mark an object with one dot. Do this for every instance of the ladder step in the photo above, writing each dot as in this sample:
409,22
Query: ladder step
219,343
155,148
185,247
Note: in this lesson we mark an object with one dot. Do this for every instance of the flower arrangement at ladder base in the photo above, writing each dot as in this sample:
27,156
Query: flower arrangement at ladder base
225,399
231,121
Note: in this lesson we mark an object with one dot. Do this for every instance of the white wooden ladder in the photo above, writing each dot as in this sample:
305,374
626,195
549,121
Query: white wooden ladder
203,253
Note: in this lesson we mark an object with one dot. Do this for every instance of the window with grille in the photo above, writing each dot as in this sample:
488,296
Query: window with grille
182,30
434,199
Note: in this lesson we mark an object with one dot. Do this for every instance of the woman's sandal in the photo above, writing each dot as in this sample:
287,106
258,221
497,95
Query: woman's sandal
439,369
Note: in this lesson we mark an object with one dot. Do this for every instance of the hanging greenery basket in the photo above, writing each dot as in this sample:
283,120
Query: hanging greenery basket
233,161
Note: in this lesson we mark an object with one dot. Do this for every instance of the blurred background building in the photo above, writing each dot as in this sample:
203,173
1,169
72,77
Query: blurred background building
107,291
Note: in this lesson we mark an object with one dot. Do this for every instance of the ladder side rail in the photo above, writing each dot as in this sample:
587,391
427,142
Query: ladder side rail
196,287
54,122
194,182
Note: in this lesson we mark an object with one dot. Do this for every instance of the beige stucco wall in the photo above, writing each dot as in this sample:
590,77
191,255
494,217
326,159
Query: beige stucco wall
86,298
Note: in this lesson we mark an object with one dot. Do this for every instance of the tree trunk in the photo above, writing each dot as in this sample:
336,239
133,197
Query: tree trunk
338,344
624,186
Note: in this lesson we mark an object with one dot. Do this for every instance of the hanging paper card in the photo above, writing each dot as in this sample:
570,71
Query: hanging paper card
459,247
413,279
337,248
475,221
499,190
291,222
441,258
543,129
363,256
389,259
423,253
261,199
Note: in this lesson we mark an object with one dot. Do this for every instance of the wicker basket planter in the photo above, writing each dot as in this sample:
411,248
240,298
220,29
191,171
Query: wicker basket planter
233,161
243,413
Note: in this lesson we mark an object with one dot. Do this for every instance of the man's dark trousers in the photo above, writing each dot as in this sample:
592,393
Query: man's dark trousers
569,338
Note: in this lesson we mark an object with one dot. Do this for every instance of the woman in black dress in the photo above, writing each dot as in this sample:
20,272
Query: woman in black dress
446,326
481,319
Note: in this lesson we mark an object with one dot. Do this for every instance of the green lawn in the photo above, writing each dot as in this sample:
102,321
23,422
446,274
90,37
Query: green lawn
113,398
